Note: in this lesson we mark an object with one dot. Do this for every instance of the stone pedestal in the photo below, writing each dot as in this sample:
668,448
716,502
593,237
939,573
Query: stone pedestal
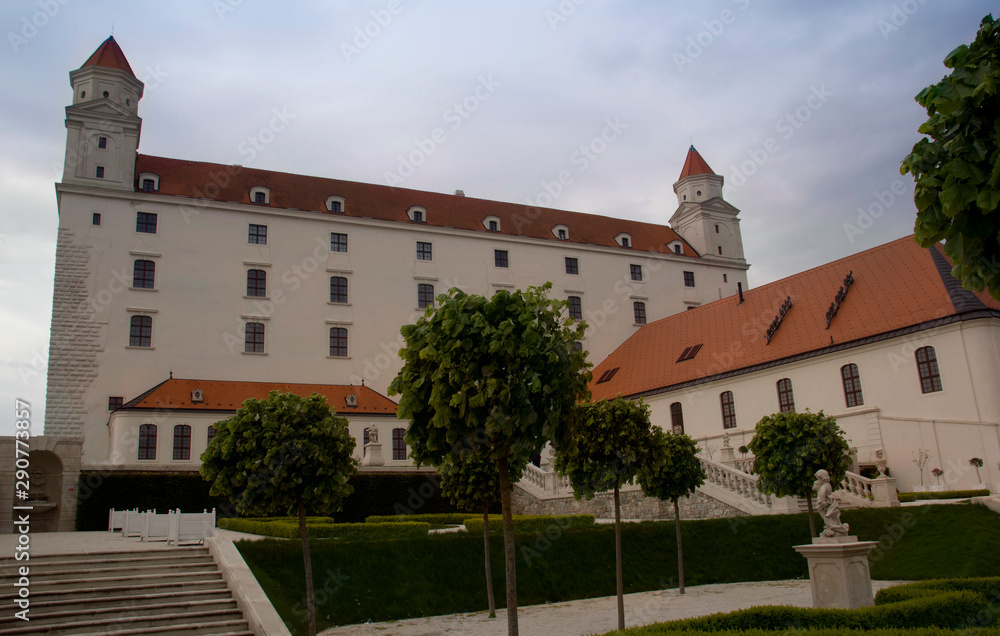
727,456
838,571
373,455
884,491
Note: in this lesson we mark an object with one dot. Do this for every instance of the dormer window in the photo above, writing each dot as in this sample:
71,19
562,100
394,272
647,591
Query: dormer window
149,182
351,400
417,214
676,247
196,396
335,204
260,195
561,232
492,223
624,239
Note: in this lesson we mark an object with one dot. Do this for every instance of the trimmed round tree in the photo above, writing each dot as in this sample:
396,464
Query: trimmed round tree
285,454
606,446
673,471
957,166
495,377
790,447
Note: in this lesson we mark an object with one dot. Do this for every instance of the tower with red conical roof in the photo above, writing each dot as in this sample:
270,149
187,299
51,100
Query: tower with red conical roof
103,124
703,217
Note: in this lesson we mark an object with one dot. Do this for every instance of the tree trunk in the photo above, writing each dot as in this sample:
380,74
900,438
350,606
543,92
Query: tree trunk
307,562
812,522
486,551
510,558
680,550
618,560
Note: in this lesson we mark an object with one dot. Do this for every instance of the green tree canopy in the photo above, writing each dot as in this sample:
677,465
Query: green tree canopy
494,377
673,471
284,454
790,447
957,166
607,444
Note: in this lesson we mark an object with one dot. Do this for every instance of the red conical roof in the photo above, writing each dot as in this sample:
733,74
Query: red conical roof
109,55
694,164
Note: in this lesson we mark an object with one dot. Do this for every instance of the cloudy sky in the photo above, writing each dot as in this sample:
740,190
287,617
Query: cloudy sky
805,108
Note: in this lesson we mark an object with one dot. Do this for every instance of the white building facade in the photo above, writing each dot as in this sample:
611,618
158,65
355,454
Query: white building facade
231,274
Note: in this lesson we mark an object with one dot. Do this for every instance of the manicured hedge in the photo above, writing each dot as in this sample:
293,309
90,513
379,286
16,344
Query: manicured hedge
532,523
343,531
942,494
383,494
99,491
294,520
444,518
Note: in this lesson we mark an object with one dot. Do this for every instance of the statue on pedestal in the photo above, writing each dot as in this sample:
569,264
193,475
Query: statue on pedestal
372,434
828,507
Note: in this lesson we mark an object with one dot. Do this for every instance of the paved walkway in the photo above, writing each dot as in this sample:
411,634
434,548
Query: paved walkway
600,615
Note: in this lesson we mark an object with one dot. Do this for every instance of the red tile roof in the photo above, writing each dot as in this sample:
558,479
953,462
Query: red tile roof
221,395
897,286
218,182
109,55
694,164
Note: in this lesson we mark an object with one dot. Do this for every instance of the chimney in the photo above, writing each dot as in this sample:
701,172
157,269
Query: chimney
459,193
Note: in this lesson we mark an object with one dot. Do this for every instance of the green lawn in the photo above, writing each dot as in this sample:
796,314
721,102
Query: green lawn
443,574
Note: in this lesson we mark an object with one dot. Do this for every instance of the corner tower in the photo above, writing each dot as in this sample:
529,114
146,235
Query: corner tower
703,217
103,124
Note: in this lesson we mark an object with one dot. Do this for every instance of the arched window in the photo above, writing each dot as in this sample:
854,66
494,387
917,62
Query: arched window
398,444
677,418
852,385
786,401
256,283
338,289
182,441
338,342
211,433
639,312
141,332
254,339
147,441
927,366
728,409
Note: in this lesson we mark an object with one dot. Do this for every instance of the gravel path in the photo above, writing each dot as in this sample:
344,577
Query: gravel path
599,615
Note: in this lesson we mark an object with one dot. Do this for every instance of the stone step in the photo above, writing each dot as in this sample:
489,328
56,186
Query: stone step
123,597
45,584
99,612
88,592
131,555
111,570
180,625
38,565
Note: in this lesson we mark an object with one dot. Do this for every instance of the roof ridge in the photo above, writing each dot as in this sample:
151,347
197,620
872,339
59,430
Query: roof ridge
142,396
961,298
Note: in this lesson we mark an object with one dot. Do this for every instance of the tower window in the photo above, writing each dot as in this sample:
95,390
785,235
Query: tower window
100,172
338,242
572,265
716,228
689,279
95,219
636,272
639,311
256,283
145,222
338,342
720,250
253,341
102,143
575,308
725,278
140,331
143,274
338,289
500,258
425,251
257,234
106,94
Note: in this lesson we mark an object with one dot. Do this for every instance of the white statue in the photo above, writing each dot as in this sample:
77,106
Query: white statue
372,434
828,506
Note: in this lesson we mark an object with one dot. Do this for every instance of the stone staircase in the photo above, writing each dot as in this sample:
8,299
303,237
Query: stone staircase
157,593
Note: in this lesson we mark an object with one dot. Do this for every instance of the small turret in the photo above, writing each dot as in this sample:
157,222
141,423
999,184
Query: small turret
703,217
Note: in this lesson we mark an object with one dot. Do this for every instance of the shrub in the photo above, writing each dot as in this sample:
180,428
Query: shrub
343,531
396,494
944,494
443,518
531,523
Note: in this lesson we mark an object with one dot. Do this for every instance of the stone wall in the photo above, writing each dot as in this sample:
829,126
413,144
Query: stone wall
634,505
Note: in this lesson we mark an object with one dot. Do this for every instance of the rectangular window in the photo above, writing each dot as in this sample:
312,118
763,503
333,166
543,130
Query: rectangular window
115,402
260,197
95,219
140,331
258,234
338,289
254,339
575,308
148,185
147,441
636,271
335,207
398,443
100,172
500,258
639,310
689,279
145,222
338,342
424,251
494,226
102,143
572,265
425,296
256,283
143,274
338,242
